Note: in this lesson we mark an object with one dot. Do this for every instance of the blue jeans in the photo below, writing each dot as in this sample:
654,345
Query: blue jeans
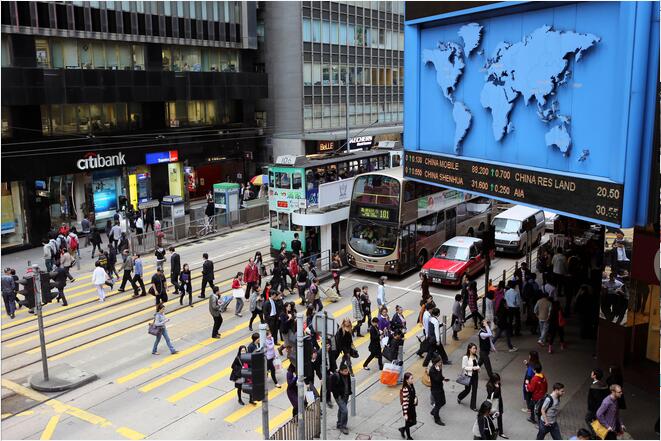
49,264
544,429
167,340
342,413
10,302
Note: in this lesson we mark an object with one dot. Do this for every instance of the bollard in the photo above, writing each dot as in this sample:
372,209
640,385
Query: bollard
300,374
353,394
505,276
444,336
400,360
40,319
265,401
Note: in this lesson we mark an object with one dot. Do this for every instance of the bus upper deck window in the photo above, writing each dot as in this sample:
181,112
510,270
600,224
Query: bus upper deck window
297,180
282,180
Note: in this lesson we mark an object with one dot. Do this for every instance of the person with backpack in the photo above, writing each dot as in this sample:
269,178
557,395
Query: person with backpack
115,234
123,246
127,268
59,276
256,304
73,243
185,285
537,388
495,396
48,254
547,410
66,262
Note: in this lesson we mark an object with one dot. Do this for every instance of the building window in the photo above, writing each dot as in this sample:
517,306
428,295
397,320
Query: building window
307,30
374,37
6,59
316,31
42,52
325,31
191,113
334,33
138,57
84,118
307,74
6,125
343,33
166,55
351,35
325,75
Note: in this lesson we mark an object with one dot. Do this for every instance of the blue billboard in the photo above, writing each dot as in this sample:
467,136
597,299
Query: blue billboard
544,104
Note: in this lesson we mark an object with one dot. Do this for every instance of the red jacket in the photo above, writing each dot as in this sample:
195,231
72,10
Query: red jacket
538,387
250,274
293,267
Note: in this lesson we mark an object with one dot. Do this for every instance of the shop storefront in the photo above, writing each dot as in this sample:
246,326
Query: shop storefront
13,215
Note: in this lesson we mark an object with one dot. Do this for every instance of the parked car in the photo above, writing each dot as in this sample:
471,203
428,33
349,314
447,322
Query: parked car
549,219
456,257
510,229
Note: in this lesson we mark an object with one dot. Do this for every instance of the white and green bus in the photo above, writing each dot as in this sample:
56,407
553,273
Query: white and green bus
294,187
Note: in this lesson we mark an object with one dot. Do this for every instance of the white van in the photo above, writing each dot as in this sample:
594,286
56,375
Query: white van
510,235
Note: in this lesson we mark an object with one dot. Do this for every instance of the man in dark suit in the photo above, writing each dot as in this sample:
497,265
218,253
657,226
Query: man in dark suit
272,314
175,269
207,274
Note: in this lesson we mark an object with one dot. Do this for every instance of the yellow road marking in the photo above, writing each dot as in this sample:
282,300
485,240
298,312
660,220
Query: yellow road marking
234,417
60,407
6,415
50,427
129,433
277,421
94,329
25,413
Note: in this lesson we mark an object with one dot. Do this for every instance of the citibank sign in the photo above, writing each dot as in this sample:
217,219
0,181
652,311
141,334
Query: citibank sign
94,160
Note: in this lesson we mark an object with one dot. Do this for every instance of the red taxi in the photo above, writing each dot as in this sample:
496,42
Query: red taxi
456,257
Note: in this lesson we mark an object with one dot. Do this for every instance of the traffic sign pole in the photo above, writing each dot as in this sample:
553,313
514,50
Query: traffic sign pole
40,319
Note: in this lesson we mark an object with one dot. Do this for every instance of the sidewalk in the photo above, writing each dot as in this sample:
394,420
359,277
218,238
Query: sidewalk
379,414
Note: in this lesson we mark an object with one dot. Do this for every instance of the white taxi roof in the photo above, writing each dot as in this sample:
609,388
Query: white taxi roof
462,241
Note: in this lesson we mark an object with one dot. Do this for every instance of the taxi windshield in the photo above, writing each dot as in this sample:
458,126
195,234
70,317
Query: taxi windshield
452,252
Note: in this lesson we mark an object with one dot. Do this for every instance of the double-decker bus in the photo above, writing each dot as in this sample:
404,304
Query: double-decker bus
294,186
396,224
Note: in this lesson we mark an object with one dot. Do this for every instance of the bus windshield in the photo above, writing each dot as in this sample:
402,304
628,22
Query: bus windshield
376,190
451,252
372,239
503,225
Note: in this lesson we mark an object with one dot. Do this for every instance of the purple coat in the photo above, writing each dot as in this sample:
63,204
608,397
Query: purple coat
292,391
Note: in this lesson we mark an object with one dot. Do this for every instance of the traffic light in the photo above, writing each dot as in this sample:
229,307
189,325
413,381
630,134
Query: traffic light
254,375
308,370
46,287
27,292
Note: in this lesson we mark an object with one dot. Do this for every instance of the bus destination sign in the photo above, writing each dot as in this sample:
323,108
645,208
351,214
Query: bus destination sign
598,200
374,213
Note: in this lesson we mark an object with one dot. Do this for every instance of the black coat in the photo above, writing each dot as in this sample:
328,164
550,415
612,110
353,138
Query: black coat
344,342
236,370
437,379
375,341
598,391
207,269
175,263
338,386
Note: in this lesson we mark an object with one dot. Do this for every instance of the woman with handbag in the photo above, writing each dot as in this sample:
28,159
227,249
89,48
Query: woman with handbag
292,389
261,268
288,329
484,428
235,376
409,401
269,344
469,375
335,266
238,293
494,395
357,310
344,340
159,330
437,391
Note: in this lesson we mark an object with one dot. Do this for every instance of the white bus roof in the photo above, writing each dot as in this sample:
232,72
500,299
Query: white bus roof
517,212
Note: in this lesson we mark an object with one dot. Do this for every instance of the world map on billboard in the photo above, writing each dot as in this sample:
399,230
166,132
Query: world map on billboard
525,72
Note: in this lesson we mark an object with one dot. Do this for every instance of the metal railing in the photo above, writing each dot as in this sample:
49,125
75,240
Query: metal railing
171,234
289,430
321,261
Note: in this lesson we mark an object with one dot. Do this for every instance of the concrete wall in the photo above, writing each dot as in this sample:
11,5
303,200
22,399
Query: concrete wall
287,146
283,53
